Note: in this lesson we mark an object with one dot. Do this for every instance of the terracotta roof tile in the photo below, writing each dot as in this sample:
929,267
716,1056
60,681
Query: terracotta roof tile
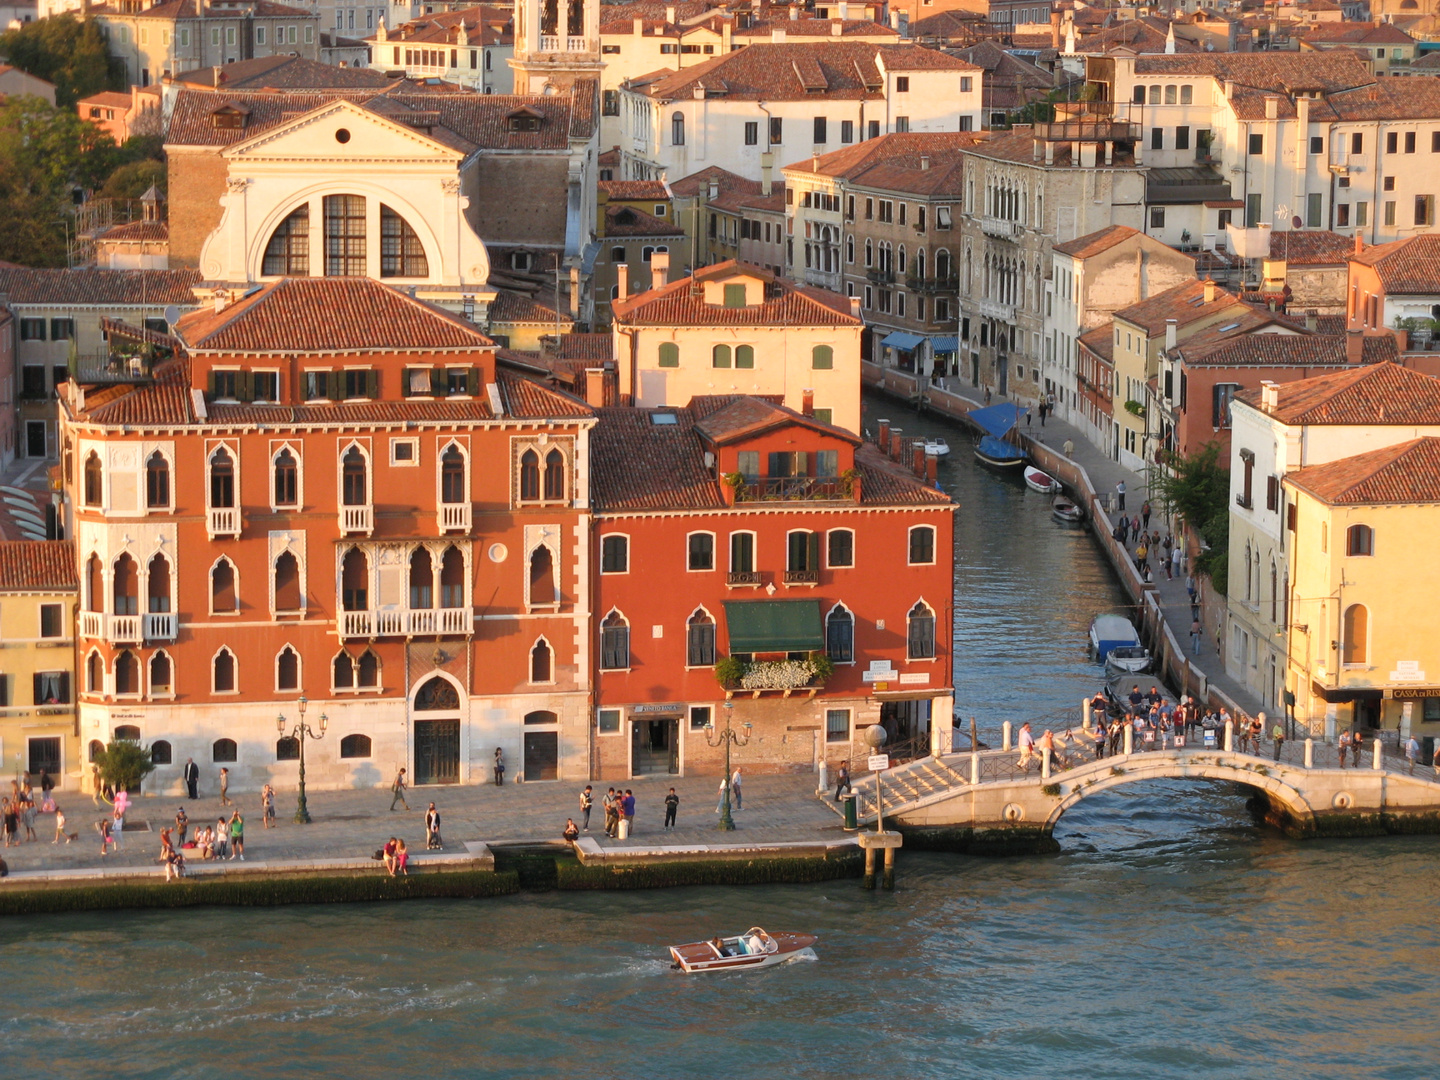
1375,394
527,398
483,25
905,148
884,482
1410,266
165,401
746,417
283,72
300,315
1349,33
120,288
586,347
1285,350
1280,73
622,220
1083,247
1184,303
649,190
1101,342
136,232
31,565
786,304
1407,472
1311,247
514,307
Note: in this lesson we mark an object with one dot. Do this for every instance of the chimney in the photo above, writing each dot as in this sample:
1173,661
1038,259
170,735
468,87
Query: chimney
1272,108
1359,242
917,458
714,189
837,28
882,436
221,300
1354,346
924,162
659,269
622,279
670,14
1312,319
897,444
844,10
855,307
1171,330
726,32
777,35
794,12
807,403
639,27
767,169
1229,89
1055,30
595,387
1209,290
1269,395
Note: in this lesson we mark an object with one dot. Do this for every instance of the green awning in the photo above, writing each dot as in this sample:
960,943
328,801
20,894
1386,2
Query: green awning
774,625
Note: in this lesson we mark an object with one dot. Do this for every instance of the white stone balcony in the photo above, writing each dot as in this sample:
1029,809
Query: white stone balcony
116,629
406,622
160,626
454,517
223,521
1000,228
989,309
357,519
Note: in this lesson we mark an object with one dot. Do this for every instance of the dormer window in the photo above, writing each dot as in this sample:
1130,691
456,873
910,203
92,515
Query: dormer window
229,115
735,295
524,119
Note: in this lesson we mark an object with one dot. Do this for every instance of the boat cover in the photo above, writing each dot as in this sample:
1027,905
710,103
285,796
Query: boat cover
996,419
1112,631
999,449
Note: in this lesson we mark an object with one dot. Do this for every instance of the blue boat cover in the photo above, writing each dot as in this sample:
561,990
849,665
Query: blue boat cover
945,344
999,449
997,419
901,340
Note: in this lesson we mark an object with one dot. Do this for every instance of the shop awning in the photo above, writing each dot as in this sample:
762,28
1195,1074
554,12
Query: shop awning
899,339
945,344
774,625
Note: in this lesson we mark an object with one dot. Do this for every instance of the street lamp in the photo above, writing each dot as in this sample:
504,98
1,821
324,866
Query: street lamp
726,738
875,737
301,732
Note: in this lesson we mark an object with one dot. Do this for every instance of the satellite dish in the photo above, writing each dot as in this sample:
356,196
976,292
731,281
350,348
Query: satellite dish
172,314
1296,223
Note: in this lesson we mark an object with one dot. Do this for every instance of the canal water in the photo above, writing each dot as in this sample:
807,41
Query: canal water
1172,938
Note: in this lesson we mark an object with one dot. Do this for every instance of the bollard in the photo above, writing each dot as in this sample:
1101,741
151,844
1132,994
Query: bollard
823,783
1309,753
1129,739
869,881
1085,714
887,880
1005,735
1375,758
975,766
1229,736
1045,763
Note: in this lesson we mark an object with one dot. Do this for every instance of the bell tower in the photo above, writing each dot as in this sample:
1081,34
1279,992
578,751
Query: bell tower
557,43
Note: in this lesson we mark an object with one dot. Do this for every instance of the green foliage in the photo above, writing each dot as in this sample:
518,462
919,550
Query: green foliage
66,51
729,671
124,764
823,666
1197,488
1052,790
1134,408
573,876
249,892
132,180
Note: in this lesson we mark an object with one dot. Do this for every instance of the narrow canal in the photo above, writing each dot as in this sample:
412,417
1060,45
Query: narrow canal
1173,938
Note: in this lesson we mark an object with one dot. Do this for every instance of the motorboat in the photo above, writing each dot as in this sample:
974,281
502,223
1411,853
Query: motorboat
1128,658
753,949
1066,510
999,453
1039,481
1109,632
936,447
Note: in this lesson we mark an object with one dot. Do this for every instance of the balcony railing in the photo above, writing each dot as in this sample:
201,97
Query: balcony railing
1000,228
405,622
116,629
877,276
223,521
743,577
802,577
160,627
932,284
794,489
357,519
989,309
455,517
92,624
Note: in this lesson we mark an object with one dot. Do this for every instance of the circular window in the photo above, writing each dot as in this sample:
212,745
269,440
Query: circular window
498,553
342,135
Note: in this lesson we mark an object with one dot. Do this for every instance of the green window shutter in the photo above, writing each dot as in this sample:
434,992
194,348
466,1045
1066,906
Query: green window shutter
210,390
439,384
735,296
721,356
745,356
812,552
472,381
372,384
405,383
244,386
822,358
669,354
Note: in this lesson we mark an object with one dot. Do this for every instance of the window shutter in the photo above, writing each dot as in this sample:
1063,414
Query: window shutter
405,383
64,686
1290,516
372,384
438,383
210,391
472,381
244,386
812,551
38,691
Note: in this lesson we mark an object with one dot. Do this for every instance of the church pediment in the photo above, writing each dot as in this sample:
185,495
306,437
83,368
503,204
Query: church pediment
338,131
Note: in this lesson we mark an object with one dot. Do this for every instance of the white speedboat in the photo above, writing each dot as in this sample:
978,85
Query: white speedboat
753,949
1039,481
1131,659
937,447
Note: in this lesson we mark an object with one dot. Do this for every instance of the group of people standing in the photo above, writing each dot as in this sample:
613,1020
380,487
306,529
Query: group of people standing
1150,545
18,809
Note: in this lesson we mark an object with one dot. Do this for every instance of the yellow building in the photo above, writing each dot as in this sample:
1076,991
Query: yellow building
1364,640
38,593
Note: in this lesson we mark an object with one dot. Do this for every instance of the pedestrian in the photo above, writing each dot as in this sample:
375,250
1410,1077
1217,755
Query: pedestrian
222,838
627,808
1135,528
9,821
1043,410
1190,588
987,395
1027,745
672,804
191,776
402,859
107,840
1177,559
1195,635
47,787
1412,752
1277,734
1145,512
225,799
499,766
587,800
237,835
117,832
397,790
1343,747
1120,494
612,813
1027,417
267,806
842,780
724,793
1069,448
182,824
1165,556
432,829
735,788
572,831
60,833
387,855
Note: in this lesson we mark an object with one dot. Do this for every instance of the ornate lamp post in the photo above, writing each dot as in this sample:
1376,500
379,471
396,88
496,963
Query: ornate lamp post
727,738
301,732
875,737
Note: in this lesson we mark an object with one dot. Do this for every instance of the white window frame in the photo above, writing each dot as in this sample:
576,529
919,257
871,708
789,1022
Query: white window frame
854,554
714,561
626,538
234,660
934,545
299,669
276,449
169,693
414,462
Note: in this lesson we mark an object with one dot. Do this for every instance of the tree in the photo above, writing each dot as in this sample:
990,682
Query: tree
133,179
1197,488
124,764
66,51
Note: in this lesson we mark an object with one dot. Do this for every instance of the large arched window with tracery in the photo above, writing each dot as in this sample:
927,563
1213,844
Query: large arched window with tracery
288,252
344,236
401,253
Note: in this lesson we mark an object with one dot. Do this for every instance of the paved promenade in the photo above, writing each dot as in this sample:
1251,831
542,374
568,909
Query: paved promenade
352,824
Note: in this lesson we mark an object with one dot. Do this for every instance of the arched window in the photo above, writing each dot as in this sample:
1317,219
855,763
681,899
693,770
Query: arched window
942,264
287,748
287,669
342,671
1359,540
224,671
344,236
222,751
554,475
922,545
157,585
920,263
540,716
223,596
920,638
287,479
1247,572
125,586
1274,594
452,578
94,584
157,481
161,674
354,491
614,642
222,478
542,576
287,582
355,581
288,252
822,358
669,354
529,475
869,252
437,695
541,662
744,356
355,746
127,733
161,752
840,635
127,673
700,639
452,475
900,260
1356,635
94,674
677,129
94,480
401,253
422,580
720,356
367,671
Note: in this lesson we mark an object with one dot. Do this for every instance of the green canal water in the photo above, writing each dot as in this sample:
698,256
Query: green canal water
1172,938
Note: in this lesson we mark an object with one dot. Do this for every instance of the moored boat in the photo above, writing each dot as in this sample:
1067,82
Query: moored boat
1066,510
1039,481
1131,659
1109,632
755,948
937,447
999,453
